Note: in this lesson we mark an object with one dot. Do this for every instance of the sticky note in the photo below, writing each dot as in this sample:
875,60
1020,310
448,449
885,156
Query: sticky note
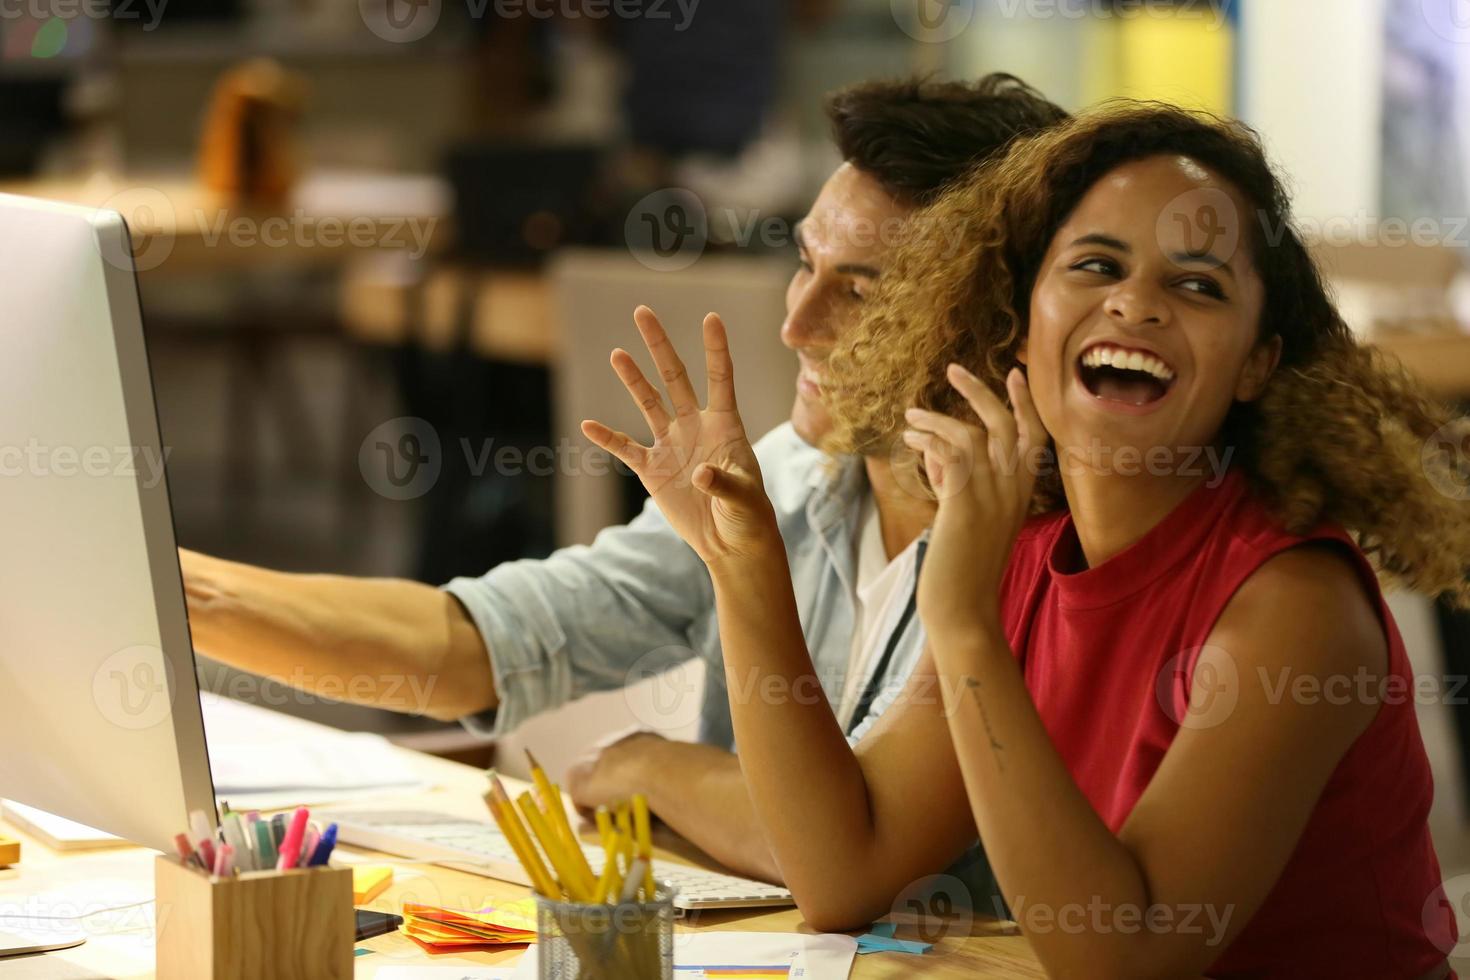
369,881
9,851
881,940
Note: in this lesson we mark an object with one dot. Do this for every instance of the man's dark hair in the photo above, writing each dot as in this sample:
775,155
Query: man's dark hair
917,136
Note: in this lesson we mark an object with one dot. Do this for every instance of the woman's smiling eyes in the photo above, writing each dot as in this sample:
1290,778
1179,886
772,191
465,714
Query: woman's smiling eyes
1105,266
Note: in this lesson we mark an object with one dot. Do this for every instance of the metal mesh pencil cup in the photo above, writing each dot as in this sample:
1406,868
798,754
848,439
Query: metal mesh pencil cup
628,941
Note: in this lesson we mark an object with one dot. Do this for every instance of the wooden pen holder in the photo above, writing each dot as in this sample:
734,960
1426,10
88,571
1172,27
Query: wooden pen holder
260,925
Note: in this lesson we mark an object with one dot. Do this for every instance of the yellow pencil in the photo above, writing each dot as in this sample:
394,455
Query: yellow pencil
604,824
645,843
551,802
498,801
625,834
576,886
501,808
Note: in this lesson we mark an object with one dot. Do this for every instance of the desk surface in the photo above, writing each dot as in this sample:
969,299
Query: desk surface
178,225
121,944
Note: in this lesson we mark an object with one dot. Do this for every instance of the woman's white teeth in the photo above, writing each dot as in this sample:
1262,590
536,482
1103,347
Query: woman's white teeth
1127,361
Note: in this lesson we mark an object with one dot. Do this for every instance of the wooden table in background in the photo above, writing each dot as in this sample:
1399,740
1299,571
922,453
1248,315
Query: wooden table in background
179,226
1441,361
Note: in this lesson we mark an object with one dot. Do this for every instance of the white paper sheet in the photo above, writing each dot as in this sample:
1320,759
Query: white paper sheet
440,971
264,759
824,957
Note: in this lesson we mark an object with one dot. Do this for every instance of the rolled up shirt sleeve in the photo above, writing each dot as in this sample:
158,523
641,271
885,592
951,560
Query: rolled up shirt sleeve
588,618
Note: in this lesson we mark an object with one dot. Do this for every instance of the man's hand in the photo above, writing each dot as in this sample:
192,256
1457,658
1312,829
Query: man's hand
697,790
609,774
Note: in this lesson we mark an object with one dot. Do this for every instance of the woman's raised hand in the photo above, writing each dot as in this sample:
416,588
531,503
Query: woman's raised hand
700,469
983,469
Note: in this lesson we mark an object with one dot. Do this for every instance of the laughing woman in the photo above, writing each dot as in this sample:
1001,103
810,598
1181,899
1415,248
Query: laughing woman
1170,691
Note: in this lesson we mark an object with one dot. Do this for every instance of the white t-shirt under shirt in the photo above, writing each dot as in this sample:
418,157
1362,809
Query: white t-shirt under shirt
883,588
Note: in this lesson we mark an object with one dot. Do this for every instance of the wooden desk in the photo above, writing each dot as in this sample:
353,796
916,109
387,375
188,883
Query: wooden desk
126,952
1441,361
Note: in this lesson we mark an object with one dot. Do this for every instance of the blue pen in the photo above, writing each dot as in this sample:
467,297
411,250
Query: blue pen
324,846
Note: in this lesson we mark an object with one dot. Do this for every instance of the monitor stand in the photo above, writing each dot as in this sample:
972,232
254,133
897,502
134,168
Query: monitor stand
17,938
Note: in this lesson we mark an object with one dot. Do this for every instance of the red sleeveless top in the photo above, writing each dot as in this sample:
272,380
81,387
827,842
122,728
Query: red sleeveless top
1361,894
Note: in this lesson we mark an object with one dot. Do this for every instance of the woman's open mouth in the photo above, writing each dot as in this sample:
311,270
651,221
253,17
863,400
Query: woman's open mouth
1124,375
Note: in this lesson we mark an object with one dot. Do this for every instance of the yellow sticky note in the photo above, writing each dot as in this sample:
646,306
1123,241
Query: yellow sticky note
369,881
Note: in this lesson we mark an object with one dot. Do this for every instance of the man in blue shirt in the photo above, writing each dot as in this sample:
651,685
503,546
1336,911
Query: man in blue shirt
532,635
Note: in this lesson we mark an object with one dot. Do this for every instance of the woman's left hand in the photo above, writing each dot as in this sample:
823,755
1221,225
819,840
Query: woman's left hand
983,473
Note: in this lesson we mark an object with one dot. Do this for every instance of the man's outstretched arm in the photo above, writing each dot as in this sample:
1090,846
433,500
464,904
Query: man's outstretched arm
388,643
698,790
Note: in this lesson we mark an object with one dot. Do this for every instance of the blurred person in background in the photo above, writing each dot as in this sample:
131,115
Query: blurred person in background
532,635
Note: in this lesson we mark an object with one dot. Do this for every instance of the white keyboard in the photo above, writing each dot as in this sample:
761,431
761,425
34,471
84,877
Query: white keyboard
479,847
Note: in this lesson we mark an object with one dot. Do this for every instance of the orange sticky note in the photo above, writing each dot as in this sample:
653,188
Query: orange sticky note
9,851
369,881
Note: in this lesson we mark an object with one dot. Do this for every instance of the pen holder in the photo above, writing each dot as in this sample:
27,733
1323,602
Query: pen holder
260,925
629,941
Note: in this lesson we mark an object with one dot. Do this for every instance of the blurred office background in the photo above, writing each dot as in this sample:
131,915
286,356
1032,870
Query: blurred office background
387,245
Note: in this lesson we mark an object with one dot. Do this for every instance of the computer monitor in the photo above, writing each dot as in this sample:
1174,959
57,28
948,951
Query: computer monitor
100,719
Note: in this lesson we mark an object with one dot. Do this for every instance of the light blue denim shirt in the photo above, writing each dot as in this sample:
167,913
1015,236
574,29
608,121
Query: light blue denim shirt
638,600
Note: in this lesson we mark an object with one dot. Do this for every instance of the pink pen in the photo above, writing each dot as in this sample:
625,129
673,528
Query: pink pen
224,861
206,850
291,843
308,845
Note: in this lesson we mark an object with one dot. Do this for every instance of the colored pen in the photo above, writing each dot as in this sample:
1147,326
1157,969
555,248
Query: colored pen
186,853
224,862
278,830
265,847
634,879
308,846
291,845
230,828
203,837
324,847
199,826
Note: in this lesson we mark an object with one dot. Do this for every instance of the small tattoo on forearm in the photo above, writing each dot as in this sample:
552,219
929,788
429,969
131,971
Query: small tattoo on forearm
973,686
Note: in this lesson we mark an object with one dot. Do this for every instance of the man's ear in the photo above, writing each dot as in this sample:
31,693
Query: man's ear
1258,369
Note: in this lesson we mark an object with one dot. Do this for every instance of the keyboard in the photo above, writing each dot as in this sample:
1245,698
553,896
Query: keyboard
479,847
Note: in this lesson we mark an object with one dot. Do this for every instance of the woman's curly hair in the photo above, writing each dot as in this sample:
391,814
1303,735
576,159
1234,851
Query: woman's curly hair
1340,434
